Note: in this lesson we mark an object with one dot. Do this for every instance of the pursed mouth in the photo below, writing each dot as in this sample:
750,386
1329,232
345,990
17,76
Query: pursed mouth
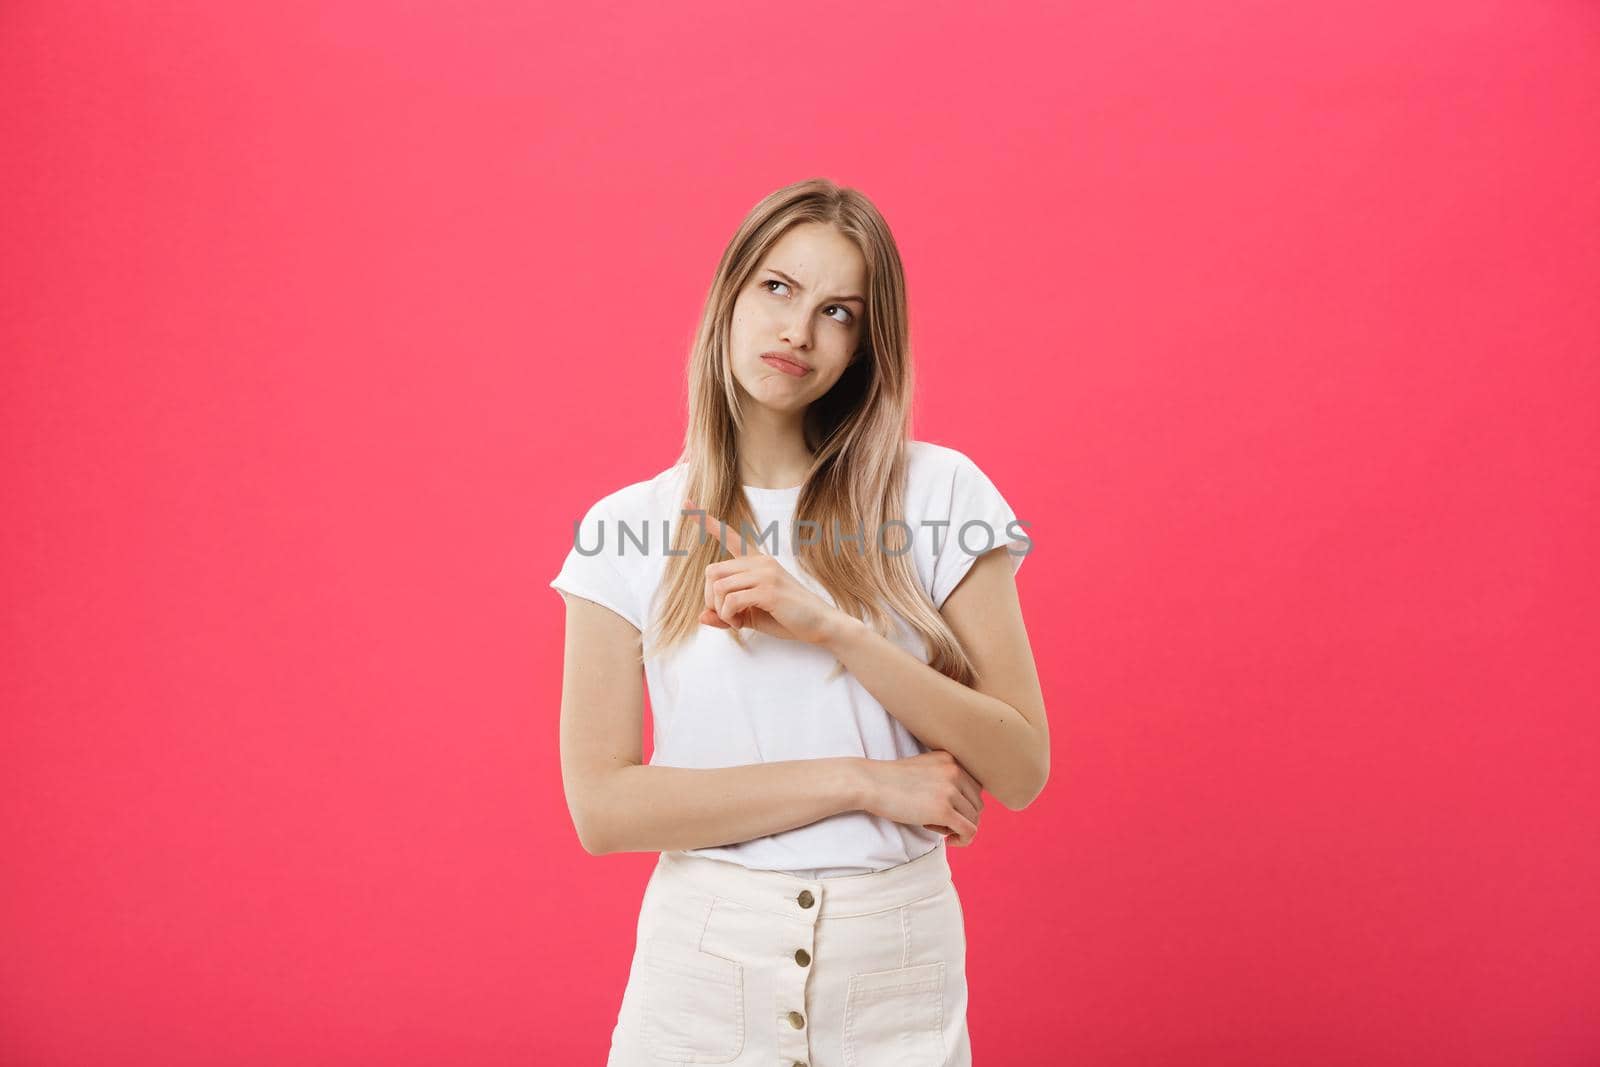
785,363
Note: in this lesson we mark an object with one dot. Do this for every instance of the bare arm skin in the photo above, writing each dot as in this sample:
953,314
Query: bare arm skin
997,728
619,803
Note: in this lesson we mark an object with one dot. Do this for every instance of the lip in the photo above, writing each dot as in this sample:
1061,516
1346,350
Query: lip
785,362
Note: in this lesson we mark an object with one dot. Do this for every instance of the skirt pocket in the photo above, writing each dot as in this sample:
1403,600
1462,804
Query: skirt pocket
693,1010
895,1018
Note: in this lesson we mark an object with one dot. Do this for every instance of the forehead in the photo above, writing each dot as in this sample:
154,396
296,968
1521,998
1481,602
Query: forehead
819,257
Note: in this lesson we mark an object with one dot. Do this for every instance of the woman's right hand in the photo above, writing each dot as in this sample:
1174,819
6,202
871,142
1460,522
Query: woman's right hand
931,790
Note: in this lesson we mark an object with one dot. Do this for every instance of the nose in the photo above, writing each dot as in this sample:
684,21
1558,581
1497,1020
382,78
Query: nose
797,332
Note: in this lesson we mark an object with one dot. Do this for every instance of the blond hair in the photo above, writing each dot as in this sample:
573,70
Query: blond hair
857,433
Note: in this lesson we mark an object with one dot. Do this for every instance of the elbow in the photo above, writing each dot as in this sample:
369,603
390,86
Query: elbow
591,844
590,837
589,803
1029,788
590,828
1017,801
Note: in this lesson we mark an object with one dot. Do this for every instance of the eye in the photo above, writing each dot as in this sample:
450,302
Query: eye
849,315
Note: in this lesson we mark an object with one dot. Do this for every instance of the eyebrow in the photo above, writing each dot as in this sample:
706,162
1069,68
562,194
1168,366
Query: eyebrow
797,285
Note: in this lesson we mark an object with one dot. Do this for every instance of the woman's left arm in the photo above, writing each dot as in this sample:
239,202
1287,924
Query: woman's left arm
997,729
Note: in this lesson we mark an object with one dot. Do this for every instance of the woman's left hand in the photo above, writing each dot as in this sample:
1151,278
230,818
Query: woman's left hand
753,589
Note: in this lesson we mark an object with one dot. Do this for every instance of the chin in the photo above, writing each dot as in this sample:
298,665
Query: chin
767,379
786,402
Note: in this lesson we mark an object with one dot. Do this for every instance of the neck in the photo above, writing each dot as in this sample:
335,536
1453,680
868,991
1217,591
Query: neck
772,448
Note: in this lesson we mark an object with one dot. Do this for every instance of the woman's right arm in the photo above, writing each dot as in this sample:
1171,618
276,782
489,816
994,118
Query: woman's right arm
621,804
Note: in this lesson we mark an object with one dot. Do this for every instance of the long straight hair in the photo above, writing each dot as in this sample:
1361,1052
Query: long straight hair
857,433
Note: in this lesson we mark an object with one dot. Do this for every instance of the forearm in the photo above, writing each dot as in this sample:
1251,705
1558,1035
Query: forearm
651,808
993,740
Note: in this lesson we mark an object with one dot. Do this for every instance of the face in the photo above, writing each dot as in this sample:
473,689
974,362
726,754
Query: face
807,301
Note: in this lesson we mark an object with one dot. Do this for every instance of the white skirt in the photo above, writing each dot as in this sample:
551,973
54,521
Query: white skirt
745,967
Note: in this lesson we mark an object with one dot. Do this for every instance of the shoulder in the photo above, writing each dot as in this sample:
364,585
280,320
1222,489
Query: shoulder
930,465
946,482
612,560
649,498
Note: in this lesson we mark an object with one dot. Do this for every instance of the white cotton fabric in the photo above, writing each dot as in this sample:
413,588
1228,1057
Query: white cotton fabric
717,705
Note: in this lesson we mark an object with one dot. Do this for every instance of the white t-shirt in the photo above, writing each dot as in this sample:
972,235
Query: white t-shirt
717,705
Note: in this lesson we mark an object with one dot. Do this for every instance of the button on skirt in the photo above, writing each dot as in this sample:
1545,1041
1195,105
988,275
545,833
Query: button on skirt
744,967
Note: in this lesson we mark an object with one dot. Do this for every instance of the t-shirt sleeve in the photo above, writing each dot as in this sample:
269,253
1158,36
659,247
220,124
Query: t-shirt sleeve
981,519
593,569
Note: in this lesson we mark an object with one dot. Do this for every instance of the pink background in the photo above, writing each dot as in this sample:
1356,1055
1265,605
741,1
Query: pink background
321,322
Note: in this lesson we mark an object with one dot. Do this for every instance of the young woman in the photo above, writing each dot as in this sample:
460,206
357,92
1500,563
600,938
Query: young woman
826,617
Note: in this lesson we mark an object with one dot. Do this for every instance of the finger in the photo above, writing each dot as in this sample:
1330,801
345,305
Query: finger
729,537
728,583
720,593
714,573
964,805
725,534
971,787
735,605
708,525
966,829
971,790
710,618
